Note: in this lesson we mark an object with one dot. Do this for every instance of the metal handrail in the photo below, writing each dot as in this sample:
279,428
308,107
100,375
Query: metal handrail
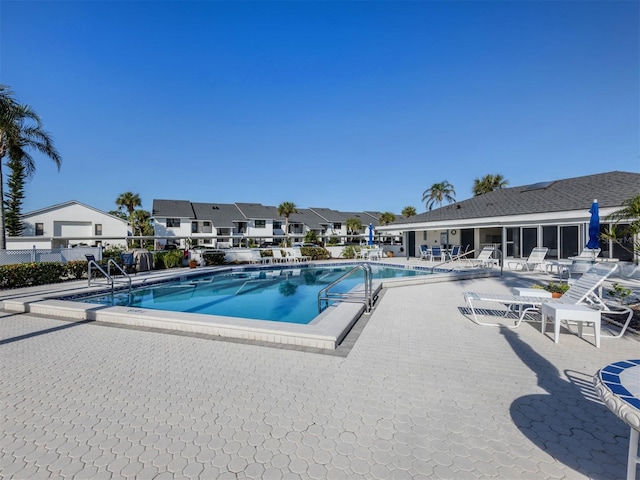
107,274
325,295
465,254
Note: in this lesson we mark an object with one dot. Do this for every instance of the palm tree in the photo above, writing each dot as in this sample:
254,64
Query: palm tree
489,183
408,212
142,224
386,218
20,131
629,215
353,225
286,209
438,193
129,201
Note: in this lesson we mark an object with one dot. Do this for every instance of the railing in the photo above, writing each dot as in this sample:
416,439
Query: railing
450,260
326,296
33,255
107,274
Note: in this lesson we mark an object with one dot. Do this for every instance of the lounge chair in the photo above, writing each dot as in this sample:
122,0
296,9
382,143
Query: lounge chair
425,252
581,292
256,257
296,255
484,258
535,260
278,257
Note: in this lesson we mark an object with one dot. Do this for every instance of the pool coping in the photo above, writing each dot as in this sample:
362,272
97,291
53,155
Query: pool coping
326,331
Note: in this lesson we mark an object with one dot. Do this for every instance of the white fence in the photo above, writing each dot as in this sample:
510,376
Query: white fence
32,255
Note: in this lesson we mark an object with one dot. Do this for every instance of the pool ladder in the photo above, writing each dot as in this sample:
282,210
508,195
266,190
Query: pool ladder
93,265
366,297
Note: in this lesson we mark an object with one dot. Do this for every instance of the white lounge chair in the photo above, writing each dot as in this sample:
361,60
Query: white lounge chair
535,260
256,257
278,257
425,252
296,255
581,292
484,258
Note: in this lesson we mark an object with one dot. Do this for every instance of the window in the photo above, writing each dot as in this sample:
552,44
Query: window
173,222
39,229
277,225
261,223
194,227
98,230
337,226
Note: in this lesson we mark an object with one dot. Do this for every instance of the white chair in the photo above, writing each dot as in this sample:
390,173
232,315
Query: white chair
256,257
535,260
296,255
425,252
374,254
581,292
484,258
278,257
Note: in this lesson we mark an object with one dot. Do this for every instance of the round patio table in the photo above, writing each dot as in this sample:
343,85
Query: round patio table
618,385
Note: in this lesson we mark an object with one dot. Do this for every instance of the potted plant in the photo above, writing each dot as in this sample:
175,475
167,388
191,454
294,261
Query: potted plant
557,289
193,263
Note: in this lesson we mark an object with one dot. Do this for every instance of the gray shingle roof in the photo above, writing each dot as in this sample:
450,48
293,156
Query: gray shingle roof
222,215
172,209
610,189
257,211
309,218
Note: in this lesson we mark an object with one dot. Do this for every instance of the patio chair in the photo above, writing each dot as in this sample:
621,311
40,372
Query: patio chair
455,253
581,292
256,257
128,263
535,260
484,258
278,257
437,252
296,255
374,254
425,252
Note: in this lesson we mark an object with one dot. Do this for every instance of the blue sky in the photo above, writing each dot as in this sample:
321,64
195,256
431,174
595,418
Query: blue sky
346,105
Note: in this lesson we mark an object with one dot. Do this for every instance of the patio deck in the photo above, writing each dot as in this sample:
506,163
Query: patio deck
416,390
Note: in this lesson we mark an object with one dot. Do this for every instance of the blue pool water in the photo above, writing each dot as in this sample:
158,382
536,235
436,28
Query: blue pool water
281,294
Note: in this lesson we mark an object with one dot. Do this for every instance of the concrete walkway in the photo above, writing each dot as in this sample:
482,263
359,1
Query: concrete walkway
416,391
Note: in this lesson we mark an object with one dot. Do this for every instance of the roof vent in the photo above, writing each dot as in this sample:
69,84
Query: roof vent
538,186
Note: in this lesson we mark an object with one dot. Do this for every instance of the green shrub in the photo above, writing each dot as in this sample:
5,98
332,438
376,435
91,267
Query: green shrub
215,258
31,274
168,259
315,253
349,252
77,269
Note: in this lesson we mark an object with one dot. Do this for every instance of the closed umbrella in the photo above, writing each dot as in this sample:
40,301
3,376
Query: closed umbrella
370,234
594,226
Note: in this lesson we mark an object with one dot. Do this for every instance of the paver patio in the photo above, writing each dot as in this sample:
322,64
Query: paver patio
417,391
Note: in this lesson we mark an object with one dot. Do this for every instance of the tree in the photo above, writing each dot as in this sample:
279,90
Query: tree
488,183
438,193
142,224
408,212
286,209
626,224
386,218
129,201
13,198
20,131
354,225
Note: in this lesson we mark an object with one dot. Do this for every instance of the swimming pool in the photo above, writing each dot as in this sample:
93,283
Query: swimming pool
326,331
278,294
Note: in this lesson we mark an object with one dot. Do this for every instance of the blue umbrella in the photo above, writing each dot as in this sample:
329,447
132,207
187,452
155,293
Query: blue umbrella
371,234
594,226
